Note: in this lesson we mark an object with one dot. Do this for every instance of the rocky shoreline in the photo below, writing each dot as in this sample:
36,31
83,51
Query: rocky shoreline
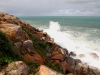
36,46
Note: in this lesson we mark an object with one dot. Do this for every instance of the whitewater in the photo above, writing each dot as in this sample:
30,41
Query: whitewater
78,46
80,35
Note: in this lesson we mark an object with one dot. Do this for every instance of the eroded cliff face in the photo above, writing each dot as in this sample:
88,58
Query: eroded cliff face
33,49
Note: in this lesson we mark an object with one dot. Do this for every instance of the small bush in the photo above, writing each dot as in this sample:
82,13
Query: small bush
6,50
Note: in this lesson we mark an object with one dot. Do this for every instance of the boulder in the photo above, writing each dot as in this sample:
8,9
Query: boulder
48,50
70,74
35,58
54,53
29,58
81,55
66,67
44,70
72,54
18,45
28,45
63,51
77,61
70,61
17,68
56,48
57,57
94,55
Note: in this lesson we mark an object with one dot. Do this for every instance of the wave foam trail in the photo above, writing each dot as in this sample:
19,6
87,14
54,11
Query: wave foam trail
65,40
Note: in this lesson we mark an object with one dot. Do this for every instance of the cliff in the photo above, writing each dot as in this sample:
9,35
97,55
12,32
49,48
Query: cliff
25,50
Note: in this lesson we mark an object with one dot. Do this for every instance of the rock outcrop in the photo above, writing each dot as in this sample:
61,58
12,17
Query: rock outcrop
33,46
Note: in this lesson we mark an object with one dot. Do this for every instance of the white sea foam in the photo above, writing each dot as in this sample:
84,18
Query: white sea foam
79,46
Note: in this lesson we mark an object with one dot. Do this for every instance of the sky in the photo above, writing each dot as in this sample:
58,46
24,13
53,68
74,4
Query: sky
51,7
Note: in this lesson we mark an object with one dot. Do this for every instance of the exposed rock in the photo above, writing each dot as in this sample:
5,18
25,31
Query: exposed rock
54,53
43,70
77,61
28,45
48,55
63,51
58,57
66,67
35,58
48,50
70,74
77,68
2,72
81,55
18,45
17,68
29,58
94,55
56,62
56,47
72,54
51,43
70,61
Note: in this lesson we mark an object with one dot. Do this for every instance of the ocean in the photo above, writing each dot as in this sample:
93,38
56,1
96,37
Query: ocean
80,34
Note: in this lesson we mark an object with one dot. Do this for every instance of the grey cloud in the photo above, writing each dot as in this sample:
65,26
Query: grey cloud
49,7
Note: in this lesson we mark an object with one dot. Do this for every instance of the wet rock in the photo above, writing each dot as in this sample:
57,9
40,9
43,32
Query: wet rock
42,38
51,43
77,61
63,51
81,55
94,55
72,54
44,70
78,67
70,61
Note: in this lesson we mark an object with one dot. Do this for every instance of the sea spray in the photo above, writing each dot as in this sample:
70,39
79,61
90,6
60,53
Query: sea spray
79,46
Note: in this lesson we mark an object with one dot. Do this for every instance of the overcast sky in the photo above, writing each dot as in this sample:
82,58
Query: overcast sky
51,7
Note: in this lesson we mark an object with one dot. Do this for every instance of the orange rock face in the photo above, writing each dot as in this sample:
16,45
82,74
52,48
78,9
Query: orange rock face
36,58
66,67
58,57
55,53
29,58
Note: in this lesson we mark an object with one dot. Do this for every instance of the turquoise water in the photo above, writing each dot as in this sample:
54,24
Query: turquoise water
78,34
92,22
87,27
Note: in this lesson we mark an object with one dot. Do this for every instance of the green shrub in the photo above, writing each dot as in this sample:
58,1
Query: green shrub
6,50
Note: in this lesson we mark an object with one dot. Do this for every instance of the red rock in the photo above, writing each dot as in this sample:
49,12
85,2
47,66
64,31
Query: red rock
56,62
66,67
36,58
58,57
29,58
54,53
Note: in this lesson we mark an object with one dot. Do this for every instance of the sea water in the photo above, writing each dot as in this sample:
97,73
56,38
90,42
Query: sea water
80,34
